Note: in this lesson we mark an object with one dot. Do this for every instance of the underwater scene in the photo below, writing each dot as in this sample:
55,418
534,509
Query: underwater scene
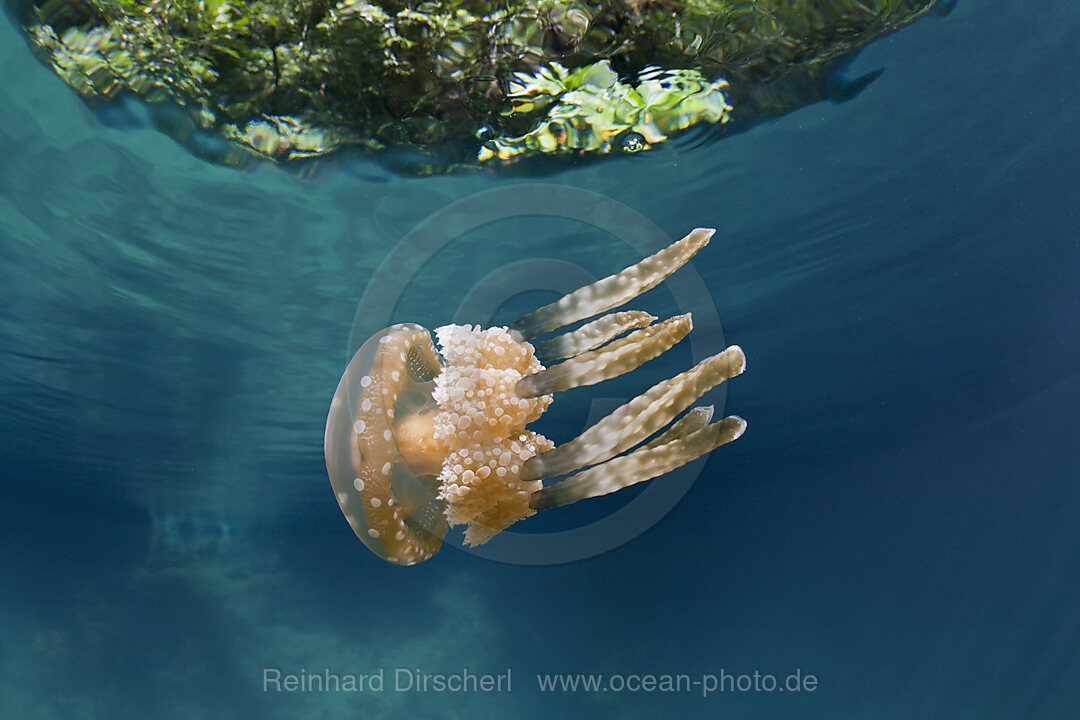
611,359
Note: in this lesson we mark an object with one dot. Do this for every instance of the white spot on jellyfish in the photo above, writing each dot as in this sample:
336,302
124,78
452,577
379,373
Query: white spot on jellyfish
358,426
342,498
387,435
365,381
375,502
395,376
386,468
399,535
373,532
366,405
358,484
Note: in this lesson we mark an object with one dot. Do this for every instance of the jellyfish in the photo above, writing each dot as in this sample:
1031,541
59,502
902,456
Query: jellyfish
420,439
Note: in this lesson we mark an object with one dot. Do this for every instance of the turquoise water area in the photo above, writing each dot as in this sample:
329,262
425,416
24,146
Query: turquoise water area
898,521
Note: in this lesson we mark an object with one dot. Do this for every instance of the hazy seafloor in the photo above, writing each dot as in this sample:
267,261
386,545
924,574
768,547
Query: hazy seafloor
901,519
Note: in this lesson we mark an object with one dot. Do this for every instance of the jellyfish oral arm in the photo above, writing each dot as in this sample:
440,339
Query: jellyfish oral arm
639,465
633,422
591,335
614,290
616,358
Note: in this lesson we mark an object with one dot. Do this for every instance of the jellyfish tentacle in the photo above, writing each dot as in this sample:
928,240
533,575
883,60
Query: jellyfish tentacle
692,421
616,358
638,466
591,335
614,290
636,420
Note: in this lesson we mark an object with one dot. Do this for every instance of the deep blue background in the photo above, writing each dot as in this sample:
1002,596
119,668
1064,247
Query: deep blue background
900,519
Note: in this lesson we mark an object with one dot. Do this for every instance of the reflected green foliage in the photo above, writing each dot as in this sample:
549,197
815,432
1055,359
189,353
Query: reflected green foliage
590,110
462,80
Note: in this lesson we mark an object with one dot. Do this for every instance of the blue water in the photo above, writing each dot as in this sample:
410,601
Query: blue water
899,521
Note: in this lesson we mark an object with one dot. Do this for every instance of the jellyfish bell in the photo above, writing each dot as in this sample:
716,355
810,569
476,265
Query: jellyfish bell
417,442
379,459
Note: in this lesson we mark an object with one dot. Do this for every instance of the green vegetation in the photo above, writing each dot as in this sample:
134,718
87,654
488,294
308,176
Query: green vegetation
461,80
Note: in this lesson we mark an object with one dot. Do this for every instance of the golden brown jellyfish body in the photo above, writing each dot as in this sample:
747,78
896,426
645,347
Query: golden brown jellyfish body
417,442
